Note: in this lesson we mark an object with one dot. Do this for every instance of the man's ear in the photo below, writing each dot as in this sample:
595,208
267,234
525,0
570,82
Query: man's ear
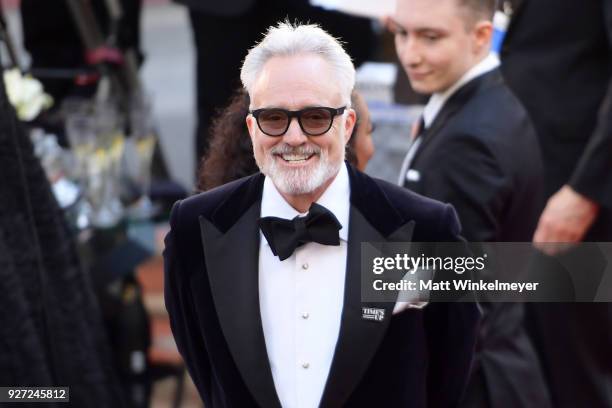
251,123
483,33
349,124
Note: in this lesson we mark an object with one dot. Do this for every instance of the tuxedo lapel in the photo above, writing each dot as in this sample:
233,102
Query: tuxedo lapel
232,259
359,338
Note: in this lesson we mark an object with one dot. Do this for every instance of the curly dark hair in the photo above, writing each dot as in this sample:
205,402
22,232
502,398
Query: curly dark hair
230,155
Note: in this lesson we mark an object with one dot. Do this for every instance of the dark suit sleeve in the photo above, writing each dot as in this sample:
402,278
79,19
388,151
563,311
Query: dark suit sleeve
451,330
593,175
468,175
179,303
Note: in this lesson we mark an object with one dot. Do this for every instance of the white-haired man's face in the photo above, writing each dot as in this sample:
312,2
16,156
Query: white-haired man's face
299,163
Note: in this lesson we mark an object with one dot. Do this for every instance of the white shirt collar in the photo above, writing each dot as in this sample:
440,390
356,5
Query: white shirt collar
336,198
437,100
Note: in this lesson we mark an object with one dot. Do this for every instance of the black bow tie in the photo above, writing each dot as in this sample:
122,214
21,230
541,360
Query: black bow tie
284,236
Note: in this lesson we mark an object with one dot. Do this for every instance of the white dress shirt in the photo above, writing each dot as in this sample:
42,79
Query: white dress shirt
301,300
436,103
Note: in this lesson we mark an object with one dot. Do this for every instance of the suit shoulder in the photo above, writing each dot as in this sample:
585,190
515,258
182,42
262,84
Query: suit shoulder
188,210
495,107
434,220
495,122
407,201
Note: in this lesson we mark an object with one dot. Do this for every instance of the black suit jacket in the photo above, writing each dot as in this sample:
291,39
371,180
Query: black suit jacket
557,58
481,155
416,358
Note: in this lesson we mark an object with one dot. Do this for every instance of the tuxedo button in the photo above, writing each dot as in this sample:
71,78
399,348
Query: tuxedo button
305,315
305,366
305,266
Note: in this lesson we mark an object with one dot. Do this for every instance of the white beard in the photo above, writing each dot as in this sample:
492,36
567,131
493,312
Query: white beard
302,180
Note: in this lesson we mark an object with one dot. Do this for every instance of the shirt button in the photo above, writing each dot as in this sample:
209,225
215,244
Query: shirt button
305,366
305,266
305,315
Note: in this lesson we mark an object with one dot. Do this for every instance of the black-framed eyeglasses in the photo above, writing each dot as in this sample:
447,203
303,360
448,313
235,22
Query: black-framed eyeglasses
313,121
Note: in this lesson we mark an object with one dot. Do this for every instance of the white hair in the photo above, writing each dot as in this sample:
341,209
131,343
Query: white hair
286,39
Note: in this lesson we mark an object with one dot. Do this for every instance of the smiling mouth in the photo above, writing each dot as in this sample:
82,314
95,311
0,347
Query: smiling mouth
295,158
418,75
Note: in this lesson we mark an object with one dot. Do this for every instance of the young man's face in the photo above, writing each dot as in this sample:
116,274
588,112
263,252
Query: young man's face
435,42
297,163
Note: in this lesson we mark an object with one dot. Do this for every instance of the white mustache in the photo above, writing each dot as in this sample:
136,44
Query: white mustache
297,150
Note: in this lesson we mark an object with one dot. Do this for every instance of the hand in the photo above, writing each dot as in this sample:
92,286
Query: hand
566,219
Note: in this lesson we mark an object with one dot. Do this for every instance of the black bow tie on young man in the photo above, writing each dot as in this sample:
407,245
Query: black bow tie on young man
284,236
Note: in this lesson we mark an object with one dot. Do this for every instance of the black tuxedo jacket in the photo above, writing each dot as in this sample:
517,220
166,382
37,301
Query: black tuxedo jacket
416,358
481,155
557,58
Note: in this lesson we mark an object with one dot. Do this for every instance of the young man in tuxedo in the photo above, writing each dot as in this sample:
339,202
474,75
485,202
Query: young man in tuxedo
263,282
477,150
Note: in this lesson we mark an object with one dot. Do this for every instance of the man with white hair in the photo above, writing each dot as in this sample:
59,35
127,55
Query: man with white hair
263,275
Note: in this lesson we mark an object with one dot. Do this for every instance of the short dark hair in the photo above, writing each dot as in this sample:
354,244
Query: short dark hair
479,9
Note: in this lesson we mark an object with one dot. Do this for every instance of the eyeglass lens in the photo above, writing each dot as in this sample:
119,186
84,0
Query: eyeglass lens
313,121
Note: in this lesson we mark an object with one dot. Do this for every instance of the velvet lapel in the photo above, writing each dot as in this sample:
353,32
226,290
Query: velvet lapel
452,106
372,219
231,248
